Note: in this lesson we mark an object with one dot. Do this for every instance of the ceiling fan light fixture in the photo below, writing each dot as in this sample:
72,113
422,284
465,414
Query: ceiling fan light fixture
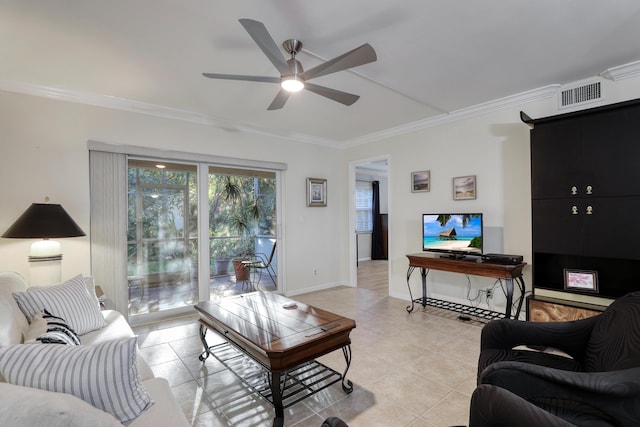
293,77
292,84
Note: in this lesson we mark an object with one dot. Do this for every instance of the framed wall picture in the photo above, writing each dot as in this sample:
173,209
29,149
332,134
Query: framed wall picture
316,192
464,187
420,181
581,280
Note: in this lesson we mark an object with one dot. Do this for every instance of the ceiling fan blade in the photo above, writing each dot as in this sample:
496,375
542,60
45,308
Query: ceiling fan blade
358,56
280,99
263,79
263,39
336,95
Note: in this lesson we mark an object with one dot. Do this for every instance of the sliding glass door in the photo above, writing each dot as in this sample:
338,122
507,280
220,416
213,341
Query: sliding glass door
162,234
242,226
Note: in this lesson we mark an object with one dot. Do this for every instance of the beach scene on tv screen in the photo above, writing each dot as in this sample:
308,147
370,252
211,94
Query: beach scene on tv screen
452,232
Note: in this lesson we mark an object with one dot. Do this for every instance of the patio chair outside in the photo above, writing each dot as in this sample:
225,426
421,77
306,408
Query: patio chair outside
262,262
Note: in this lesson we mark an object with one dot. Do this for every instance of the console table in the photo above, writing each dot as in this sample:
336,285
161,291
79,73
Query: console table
475,267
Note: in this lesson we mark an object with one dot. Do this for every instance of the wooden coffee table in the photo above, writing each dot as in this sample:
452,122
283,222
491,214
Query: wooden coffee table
278,333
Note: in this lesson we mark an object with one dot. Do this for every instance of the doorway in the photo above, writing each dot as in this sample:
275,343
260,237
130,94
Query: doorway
363,173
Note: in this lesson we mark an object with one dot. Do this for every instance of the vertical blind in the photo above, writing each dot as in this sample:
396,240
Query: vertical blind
108,183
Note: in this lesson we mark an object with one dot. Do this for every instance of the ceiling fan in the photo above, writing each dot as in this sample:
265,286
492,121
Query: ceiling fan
293,78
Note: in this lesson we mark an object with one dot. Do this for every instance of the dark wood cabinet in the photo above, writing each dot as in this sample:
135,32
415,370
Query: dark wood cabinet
611,143
593,153
586,197
566,227
555,167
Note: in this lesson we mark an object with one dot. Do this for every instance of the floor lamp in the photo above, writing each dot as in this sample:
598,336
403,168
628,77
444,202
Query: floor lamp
44,221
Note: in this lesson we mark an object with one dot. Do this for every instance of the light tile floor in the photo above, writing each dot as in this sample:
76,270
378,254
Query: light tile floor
415,369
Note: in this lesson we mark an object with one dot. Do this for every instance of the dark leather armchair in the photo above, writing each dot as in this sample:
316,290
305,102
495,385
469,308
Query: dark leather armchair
496,407
334,422
598,385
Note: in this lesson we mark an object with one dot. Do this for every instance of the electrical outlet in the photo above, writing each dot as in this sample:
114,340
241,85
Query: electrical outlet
489,293
315,272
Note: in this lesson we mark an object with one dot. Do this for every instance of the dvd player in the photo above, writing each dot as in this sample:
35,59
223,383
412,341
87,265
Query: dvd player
503,258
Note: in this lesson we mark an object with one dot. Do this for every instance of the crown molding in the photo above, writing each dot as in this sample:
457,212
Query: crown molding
128,105
123,104
464,113
622,72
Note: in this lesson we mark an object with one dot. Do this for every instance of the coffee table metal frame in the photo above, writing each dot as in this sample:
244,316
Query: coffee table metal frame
291,382
295,385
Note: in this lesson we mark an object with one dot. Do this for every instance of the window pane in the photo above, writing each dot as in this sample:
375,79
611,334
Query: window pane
242,220
162,236
364,200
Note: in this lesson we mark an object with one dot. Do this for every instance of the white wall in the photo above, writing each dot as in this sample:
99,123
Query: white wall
492,146
44,153
43,147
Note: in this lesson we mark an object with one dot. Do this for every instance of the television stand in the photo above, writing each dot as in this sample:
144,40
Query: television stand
477,267
464,257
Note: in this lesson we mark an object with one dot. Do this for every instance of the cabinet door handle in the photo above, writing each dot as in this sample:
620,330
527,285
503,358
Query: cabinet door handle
589,210
589,189
574,210
574,190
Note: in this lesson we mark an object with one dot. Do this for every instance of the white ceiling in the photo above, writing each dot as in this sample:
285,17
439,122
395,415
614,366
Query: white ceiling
434,57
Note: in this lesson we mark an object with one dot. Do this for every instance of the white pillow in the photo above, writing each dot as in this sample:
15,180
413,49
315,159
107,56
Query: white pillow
46,328
69,300
26,406
104,375
13,324
90,283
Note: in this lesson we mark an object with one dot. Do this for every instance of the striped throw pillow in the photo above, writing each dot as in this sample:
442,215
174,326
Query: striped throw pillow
69,300
49,329
104,375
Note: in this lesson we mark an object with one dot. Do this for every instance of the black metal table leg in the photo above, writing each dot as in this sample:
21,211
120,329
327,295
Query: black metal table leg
409,271
276,393
206,352
507,312
422,300
348,386
521,285
423,274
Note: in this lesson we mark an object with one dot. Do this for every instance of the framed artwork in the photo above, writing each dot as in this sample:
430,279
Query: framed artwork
420,181
316,192
464,187
581,280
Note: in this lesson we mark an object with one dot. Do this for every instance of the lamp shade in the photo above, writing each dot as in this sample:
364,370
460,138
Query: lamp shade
43,221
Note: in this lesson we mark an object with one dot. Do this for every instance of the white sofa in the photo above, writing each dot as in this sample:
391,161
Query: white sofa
27,406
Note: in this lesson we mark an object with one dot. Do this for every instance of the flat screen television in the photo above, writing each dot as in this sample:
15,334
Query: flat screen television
457,234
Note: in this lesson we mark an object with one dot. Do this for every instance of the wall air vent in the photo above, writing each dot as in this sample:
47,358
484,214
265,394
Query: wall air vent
582,94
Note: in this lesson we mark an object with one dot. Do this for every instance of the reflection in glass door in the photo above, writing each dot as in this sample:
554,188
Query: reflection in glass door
162,236
242,226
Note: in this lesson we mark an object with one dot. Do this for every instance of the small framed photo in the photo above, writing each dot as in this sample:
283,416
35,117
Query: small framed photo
464,187
581,280
420,181
316,192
